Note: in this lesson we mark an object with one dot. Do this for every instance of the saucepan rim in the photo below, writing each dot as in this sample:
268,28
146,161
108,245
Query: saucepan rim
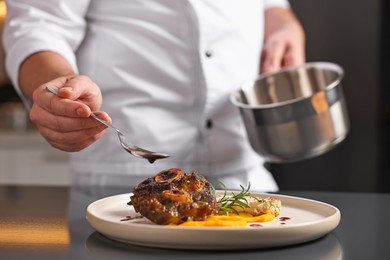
321,65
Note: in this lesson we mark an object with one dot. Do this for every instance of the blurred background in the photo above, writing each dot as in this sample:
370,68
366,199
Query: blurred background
25,157
353,34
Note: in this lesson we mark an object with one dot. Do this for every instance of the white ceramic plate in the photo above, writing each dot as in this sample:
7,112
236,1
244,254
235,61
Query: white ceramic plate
308,220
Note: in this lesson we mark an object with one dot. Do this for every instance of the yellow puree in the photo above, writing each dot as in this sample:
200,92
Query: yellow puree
232,220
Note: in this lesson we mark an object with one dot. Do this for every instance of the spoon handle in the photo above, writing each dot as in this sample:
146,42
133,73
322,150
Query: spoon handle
102,121
52,90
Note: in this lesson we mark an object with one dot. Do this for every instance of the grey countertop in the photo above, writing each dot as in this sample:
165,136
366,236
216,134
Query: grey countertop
40,222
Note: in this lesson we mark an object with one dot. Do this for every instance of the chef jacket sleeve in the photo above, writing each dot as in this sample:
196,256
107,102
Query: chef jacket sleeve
276,3
34,26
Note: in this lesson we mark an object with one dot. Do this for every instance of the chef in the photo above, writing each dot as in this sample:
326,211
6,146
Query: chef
161,70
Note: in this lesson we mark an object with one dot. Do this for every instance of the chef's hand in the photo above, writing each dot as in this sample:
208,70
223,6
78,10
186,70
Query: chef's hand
64,120
284,41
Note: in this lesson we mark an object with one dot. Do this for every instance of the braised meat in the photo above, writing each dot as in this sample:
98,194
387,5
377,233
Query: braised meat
173,197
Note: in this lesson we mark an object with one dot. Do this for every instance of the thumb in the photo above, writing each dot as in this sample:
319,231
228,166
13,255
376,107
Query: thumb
83,89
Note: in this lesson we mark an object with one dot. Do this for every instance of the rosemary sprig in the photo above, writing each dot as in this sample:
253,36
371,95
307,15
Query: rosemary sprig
227,203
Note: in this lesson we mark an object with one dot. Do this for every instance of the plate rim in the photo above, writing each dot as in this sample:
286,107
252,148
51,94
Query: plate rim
330,220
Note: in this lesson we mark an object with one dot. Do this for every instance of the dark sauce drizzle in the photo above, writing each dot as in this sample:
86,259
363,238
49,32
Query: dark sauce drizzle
131,218
283,220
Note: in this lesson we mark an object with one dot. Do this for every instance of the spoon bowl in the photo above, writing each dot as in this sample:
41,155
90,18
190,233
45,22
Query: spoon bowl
134,150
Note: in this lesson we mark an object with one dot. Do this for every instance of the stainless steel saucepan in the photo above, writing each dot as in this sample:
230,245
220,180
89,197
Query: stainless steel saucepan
296,113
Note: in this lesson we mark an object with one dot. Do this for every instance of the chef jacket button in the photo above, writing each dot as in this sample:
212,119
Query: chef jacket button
209,124
208,54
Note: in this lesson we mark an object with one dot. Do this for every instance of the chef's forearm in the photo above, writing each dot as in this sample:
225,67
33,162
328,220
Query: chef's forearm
42,67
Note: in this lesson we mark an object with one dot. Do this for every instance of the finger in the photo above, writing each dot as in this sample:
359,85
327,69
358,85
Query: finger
70,140
102,115
63,124
272,56
293,57
58,105
83,89
75,147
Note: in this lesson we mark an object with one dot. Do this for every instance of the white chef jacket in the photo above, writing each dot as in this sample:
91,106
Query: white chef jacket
166,69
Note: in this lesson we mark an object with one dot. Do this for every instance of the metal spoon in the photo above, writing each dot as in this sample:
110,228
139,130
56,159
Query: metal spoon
134,150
